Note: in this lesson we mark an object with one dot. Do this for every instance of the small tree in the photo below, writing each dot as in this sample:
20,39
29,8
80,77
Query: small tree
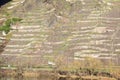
61,62
110,66
92,64
77,64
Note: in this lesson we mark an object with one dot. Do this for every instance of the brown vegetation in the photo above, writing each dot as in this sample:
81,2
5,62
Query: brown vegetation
90,66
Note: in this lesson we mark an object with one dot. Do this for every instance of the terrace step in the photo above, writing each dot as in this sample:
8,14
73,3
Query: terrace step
15,3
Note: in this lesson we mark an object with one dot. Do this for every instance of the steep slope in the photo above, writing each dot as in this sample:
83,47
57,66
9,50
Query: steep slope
86,28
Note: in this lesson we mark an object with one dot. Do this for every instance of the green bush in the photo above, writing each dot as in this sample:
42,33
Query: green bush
6,27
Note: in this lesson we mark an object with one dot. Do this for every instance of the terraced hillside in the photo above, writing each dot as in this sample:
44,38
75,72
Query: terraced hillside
5,10
78,29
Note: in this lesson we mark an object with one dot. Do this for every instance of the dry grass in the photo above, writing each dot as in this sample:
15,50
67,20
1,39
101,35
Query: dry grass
97,78
31,74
